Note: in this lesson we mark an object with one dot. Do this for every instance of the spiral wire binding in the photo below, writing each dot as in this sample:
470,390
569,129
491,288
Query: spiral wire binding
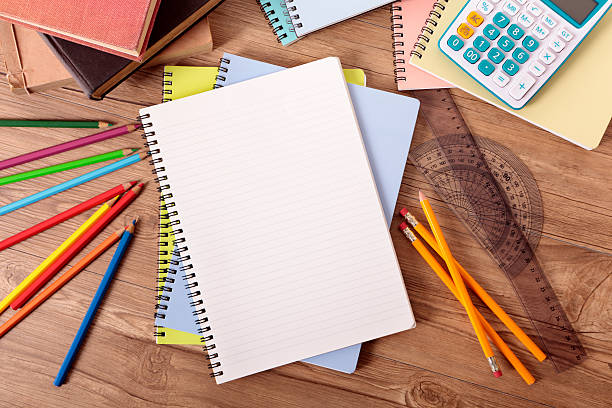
274,20
428,30
167,82
398,43
222,70
291,10
172,266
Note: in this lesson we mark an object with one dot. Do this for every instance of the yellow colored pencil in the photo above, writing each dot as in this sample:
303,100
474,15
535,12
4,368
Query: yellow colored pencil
479,290
446,279
463,293
54,255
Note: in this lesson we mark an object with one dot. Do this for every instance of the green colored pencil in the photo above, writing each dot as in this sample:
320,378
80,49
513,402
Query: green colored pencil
65,166
54,123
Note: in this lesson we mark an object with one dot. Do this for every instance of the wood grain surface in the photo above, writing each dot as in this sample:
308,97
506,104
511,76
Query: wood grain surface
438,364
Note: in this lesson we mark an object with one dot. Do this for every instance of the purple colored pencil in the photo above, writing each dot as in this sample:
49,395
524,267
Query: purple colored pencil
63,147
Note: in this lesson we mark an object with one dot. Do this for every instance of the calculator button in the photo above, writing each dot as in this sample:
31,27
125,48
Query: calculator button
486,67
455,42
475,19
485,6
501,20
505,43
471,56
491,32
548,21
465,30
537,69
565,34
501,80
530,43
540,32
520,55
481,43
522,86
511,7
556,45
525,20
511,67
534,9
496,55
516,32
547,57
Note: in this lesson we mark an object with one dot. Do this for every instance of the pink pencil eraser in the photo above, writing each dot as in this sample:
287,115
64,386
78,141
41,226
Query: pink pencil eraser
403,212
497,373
403,226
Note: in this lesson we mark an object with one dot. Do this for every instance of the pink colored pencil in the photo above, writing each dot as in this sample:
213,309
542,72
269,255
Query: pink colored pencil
73,144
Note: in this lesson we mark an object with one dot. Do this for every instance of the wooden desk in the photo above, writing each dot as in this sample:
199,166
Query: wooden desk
438,364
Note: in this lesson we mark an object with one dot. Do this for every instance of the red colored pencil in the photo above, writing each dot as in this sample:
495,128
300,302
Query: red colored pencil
63,216
85,239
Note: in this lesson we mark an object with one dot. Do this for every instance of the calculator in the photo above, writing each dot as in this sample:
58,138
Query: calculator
513,47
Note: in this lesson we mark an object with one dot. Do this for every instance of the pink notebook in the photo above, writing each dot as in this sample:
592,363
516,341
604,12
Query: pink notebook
407,22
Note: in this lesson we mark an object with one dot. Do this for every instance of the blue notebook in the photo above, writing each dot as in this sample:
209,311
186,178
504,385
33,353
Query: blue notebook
279,20
387,141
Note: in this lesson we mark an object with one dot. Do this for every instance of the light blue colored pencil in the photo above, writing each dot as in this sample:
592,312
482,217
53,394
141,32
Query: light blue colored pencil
95,303
5,209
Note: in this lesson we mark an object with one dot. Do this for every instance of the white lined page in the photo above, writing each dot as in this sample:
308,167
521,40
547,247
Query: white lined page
285,231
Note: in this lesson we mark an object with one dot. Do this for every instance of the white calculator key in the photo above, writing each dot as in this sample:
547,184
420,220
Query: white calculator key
557,45
485,6
534,9
500,80
540,31
537,69
547,57
565,34
525,20
548,21
522,86
511,7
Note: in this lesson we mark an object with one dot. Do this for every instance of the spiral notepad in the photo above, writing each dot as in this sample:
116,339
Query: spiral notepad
294,274
279,20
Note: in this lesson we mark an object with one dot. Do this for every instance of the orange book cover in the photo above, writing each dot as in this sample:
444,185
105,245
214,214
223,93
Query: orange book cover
120,27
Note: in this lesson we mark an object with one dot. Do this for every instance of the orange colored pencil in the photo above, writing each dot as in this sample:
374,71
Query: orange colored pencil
61,281
463,293
479,290
446,279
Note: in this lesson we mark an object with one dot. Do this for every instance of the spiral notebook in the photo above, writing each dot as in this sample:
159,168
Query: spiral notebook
279,20
294,274
574,104
406,22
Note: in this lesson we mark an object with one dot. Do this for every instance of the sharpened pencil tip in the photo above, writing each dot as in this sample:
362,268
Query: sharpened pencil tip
130,228
422,196
104,124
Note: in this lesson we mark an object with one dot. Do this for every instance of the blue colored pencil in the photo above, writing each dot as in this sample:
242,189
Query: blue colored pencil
95,303
71,183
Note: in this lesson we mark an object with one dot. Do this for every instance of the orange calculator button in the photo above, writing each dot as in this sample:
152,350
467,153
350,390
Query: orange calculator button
475,19
465,31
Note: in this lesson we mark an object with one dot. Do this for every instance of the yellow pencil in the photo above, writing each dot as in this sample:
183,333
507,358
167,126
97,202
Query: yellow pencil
54,255
479,290
443,275
463,293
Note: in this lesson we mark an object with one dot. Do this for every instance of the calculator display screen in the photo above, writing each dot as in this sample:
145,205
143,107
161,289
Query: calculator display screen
578,10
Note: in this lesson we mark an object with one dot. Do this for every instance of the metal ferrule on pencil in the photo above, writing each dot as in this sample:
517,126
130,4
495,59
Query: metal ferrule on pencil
409,217
493,364
409,234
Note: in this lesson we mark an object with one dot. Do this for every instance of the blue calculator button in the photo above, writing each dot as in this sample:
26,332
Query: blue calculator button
486,67
496,55
511,67
481,44
491,32
471,55
501,20
455,42
530,43
505,43
520,55
516,32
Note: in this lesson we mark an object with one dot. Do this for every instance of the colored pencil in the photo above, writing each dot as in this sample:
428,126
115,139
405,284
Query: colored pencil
54,123
26,175
63,216
95,304
60,282
92,175
63,147
479,290
123,202
446,279
463,293
55,255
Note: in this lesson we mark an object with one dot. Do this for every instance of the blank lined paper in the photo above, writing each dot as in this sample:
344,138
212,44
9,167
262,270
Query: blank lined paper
284,227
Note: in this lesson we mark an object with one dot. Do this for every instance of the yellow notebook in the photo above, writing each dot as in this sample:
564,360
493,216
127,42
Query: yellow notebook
574,104
180,82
